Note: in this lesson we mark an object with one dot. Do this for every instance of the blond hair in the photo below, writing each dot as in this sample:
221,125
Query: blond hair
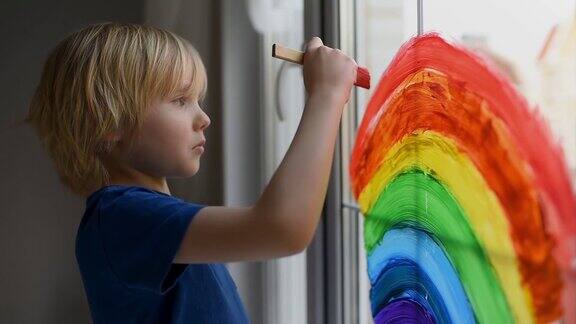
102,79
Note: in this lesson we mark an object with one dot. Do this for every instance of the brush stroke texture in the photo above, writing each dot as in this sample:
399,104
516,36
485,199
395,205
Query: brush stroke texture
410,260
440,157
418,200
507,158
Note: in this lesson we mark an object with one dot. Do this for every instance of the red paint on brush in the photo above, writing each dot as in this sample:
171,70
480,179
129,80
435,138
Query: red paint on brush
362,77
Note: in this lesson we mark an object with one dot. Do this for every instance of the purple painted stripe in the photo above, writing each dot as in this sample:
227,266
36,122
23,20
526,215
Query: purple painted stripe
403,310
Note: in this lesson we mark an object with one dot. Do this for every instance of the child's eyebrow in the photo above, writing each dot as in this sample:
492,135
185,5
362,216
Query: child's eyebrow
184,89
187,89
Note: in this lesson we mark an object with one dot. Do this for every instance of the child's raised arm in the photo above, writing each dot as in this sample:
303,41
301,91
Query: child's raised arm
284,219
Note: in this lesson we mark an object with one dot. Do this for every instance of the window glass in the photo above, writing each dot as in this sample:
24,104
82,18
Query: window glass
532,41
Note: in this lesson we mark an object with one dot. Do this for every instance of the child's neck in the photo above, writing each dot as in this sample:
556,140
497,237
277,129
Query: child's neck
162,187
136,178
123,174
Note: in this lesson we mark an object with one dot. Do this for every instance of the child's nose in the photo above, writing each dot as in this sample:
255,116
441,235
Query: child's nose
203,121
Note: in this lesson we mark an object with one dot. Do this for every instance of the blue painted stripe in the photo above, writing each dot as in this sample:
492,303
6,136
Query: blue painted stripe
407,259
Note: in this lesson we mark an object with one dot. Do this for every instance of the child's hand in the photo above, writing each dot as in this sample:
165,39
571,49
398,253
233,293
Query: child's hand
328,71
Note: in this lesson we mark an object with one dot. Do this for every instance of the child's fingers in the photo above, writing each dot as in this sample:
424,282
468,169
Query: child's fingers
314,43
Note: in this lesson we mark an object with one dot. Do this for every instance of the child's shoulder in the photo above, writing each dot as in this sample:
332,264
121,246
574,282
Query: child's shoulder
133,211
134,202
126,200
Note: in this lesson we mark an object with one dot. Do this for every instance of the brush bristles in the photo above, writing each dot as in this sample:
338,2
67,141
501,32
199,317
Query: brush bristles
363,78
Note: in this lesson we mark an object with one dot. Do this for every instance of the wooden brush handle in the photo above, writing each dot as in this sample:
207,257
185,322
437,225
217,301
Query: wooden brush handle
287,54
290,55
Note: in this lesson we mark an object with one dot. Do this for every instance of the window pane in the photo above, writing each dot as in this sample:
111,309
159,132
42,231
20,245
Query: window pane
532,41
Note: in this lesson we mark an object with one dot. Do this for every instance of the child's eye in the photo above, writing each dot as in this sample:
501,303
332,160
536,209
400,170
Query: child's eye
182,101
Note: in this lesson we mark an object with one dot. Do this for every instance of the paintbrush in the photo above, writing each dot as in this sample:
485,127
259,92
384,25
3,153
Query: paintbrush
294,56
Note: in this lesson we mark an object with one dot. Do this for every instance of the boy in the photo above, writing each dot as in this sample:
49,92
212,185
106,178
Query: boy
117,109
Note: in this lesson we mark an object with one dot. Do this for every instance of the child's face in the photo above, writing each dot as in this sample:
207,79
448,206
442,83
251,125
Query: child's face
171,141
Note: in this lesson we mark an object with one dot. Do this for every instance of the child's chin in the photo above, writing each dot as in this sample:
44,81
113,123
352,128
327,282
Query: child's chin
191,170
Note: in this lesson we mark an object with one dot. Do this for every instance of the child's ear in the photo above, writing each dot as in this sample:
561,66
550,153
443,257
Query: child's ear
109,142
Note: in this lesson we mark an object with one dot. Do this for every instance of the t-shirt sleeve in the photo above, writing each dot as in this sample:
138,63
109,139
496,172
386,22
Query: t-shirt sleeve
141,232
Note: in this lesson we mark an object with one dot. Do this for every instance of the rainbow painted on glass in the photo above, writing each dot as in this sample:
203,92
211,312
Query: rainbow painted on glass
469,212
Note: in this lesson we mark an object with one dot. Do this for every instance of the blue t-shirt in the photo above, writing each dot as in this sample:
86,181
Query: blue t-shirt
125,246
